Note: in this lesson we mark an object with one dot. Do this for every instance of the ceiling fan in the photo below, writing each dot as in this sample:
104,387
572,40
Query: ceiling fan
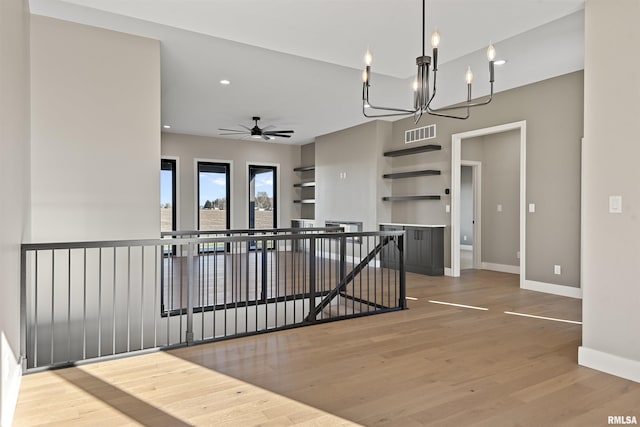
258,132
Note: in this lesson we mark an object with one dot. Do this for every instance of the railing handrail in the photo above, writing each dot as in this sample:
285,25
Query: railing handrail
250,230
201,240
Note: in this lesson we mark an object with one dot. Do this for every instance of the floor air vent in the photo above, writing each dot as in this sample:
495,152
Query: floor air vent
420,134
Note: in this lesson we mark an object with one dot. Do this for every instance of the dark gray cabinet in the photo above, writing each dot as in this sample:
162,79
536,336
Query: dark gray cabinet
423,249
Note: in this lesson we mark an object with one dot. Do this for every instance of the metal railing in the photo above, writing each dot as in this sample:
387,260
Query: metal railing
88,300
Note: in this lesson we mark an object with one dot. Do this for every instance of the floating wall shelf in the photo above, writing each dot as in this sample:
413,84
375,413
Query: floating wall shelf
407,198
305,201
305,184
411,174
304,168
414,150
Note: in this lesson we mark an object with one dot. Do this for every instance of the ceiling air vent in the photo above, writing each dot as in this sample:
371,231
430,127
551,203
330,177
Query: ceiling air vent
420,134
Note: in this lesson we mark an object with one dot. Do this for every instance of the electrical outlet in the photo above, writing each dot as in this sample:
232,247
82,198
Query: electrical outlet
518,254
464,238
447,208
499,208
557,269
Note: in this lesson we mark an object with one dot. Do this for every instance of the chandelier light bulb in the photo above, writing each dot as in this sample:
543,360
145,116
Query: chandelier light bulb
368,58
435,39
415,85
365,76
469,76
491,52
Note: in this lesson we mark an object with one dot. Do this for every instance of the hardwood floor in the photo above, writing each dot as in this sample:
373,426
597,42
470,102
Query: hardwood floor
433,364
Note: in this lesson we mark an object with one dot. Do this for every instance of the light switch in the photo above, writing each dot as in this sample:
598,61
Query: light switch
532,207
447,208
499,208
615,204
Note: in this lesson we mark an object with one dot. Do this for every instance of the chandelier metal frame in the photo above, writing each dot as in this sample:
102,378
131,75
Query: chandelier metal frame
422,97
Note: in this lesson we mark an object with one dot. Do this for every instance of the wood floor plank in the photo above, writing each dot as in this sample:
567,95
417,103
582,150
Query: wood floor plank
429,365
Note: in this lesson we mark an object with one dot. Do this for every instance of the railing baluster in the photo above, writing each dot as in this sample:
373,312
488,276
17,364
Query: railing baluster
113,302
142,299
35,350
312,279
190,265
128,298
53,295
155,295
403,289
99,302
84,305
68,305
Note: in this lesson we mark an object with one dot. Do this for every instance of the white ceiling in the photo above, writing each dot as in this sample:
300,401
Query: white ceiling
297,63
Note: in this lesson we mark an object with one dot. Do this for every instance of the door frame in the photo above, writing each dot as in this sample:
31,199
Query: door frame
476,183
456,148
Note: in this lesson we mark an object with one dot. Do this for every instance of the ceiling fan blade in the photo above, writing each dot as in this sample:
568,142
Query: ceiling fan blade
234,134
245,127
280,135
265,137
278,131
268,127
232,130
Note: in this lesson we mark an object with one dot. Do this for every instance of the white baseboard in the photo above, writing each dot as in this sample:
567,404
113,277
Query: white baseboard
466,247
448,272
550,288
502,268
10,379
609,363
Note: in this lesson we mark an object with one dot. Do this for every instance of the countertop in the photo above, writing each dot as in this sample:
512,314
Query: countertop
413,225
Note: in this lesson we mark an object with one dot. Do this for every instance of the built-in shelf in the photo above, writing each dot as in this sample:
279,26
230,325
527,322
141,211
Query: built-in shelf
413,150
305,184
406,198
305,201
411,174
304,168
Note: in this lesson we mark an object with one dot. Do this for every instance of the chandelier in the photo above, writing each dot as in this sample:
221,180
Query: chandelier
422,99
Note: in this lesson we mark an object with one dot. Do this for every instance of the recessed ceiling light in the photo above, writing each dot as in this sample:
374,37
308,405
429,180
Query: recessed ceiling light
500,62
167,126
225,82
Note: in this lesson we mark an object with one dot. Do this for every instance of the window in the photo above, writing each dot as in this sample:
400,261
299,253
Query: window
167,195
263,197
214,196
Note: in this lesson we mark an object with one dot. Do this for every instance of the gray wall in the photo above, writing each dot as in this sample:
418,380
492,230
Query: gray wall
239,153
611,295
553,110
95,133
500,158
356,196
466,205
14,188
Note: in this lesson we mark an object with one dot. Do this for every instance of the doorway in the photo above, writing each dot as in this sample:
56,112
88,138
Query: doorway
470,215
456,163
